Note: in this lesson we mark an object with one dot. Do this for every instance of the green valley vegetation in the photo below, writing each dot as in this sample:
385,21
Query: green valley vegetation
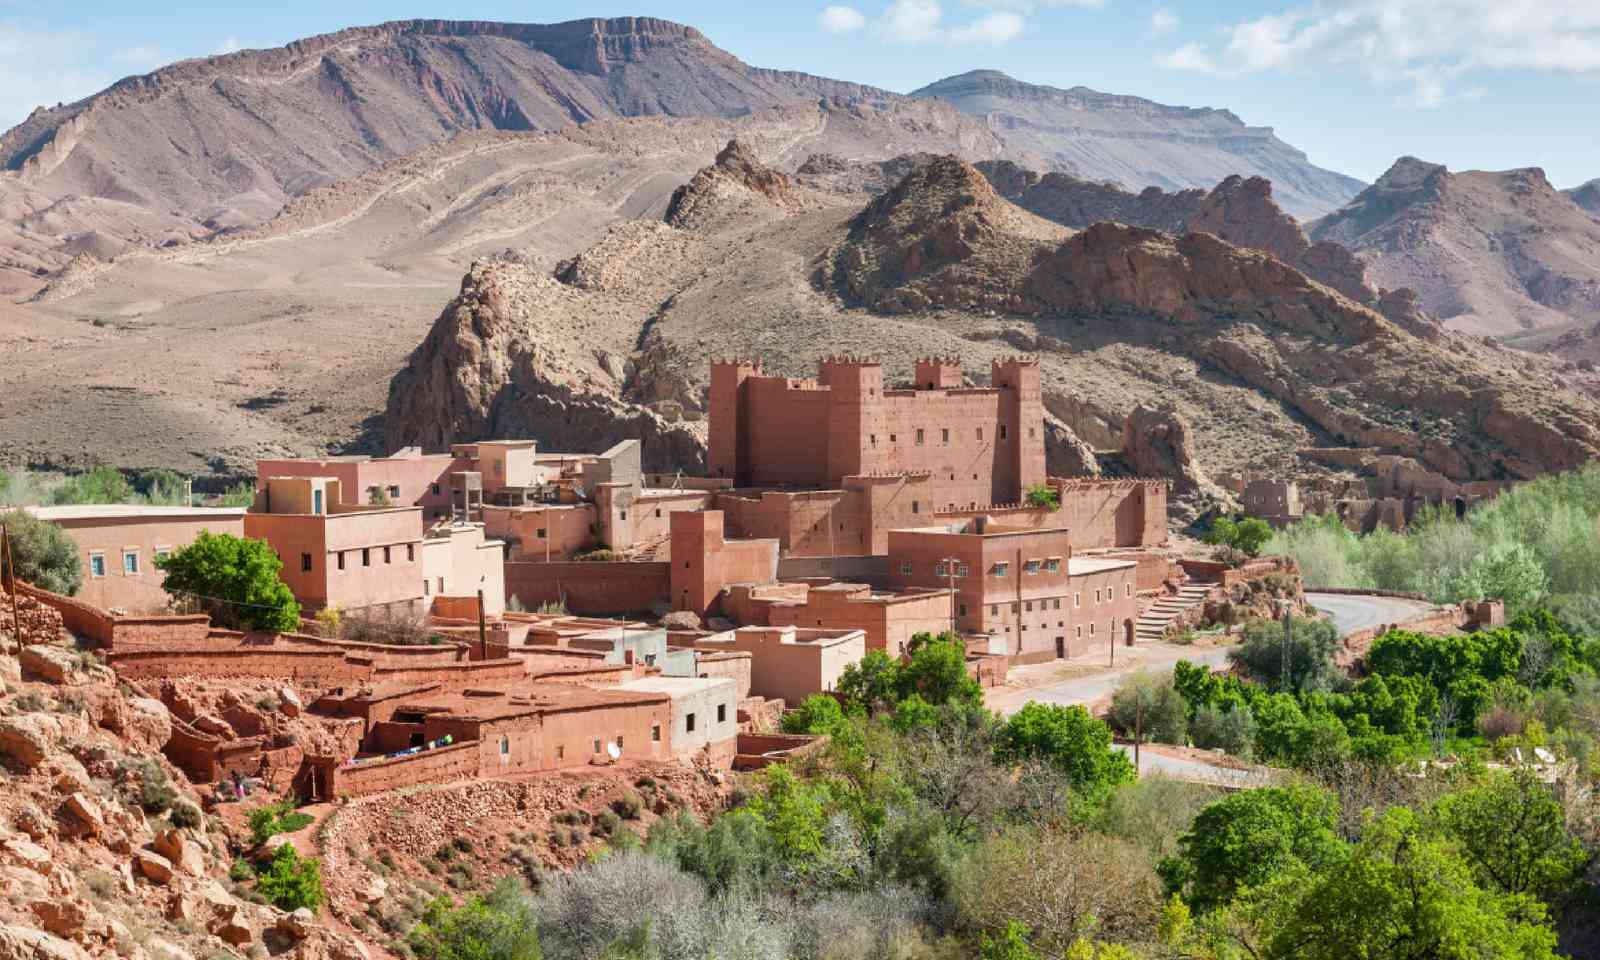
1535,545
930,829
44,555
234,579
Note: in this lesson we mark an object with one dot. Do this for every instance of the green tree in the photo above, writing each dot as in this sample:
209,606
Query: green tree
235,580
498,926
937,671
817,714
1149,702
291,881
45,556
1248,839
1068,739
1311,648
1247,536
1044,496
1513,833
1405,895
1011,944
871,682
100,485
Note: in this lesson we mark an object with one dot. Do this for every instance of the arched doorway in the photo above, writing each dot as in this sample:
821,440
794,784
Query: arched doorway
1127,632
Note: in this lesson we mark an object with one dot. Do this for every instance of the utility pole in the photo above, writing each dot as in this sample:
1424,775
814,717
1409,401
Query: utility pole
11,582
950,564
1288,632
483,635
1138,725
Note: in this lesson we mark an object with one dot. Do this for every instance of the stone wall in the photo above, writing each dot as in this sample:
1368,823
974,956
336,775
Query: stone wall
459,761
111,632
591,588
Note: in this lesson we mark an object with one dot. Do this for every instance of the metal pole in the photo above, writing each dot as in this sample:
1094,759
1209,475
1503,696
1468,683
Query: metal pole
483,637
1288,631
11,582
951,563
1138,728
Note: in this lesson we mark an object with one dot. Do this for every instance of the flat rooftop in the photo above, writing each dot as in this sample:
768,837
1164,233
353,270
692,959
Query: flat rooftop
527,699
675,686
1082,566
131,511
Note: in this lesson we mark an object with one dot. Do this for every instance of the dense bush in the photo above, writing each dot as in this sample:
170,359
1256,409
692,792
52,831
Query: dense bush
234,579
1148,702
291,881
1070,740
1308,654
45,556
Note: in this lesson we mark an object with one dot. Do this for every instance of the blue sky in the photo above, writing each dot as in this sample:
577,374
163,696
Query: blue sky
1475,84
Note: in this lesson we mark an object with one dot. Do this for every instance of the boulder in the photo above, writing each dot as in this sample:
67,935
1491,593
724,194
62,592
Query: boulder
25,739
297,924
51,664
10,669
289,702
83,815
67,917
32,821
681,620
160,949
373,890
214,725
147,724
153,866
23,884
26,943
18,852
183,853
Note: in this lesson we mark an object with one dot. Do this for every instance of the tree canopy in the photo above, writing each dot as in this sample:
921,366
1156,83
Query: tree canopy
234,579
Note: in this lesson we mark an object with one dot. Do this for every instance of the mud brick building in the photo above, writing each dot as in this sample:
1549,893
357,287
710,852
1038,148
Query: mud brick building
889,620
790,663
1021,585
119,544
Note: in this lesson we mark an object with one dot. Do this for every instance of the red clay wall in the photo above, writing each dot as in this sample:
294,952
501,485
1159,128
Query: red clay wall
594,588
459,761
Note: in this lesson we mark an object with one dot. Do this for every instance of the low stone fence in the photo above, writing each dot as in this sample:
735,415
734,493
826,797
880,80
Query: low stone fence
459,761
108,632
755,751
600,588
1358,592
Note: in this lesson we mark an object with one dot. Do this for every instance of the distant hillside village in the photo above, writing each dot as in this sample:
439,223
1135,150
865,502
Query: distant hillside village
498,609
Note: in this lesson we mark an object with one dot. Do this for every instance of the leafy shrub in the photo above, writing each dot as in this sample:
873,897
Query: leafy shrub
1246,537
1044,496
498,926
291,881
628,806
271,819
45,556
241,872
1312,645
185,816
1232,729
605,824
1149,703
817,714
234,579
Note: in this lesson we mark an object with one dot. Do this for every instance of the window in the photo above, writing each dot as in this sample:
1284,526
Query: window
722,713
305,563
688,723
1002,569
539,535
655,733
980,433
1053,565
1129,588
1031,568
1091,628
1058,603
891,438
130,562
411,552
596,744
366,557
163,553
994,610
1029,606
394,492
1077,600
1016,608
619,743
944,436
658,513
905,568
561,750
386,555
1080,633
425,590
940,568
505,745
1030,433
962,570
316,501
433,488
1097,595
873,438
97,564
441,585
624,514
1002,431
916,507
963,609
340,556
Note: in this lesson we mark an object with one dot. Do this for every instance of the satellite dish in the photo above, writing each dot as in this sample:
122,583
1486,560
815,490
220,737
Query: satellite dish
614,750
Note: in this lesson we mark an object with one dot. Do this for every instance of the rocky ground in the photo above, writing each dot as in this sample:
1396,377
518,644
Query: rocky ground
105,850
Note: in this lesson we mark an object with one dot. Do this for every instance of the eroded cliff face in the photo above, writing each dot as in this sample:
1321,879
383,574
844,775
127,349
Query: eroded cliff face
944,239
502,362
737,178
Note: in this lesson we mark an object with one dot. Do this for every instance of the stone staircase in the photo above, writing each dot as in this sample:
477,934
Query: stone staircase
1152,624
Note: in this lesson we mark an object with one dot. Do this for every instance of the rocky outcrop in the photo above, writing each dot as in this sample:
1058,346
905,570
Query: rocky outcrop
1065,454
1135,143
737,178
1156,443
1587,197
498,363
1486,252
834,174
943,239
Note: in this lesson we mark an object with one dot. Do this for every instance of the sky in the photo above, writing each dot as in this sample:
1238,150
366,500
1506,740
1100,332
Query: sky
1473,84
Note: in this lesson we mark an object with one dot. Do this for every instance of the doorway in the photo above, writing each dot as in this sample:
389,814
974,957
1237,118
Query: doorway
1061,648
1127,632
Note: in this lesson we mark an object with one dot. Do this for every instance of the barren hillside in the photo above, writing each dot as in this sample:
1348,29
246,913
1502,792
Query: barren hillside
282,338
224,142
1488,253
1260,360
1587,197
1135,143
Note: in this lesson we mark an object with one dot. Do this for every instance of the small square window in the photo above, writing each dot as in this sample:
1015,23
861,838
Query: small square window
919,436
994,610
891,438
1054,566
1002,569
596,744
944,435
97,564
940,568
130,562
1058,603
1029,606
162,553
305,563
905,568
540,534
963,610
394,492
722,713
1031,568
962,570
688,723
655,733
433,488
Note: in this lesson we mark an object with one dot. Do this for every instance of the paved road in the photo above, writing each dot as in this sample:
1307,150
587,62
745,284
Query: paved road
1194,770
1352,614
1100,686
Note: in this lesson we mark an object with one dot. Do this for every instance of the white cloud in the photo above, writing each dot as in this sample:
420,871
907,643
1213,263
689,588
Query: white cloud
912,21
995,29
1427,48
1164,21
232,44
923,21
42,68
1029,6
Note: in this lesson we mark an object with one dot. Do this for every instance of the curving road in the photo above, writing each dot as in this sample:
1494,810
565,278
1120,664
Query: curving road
1352,614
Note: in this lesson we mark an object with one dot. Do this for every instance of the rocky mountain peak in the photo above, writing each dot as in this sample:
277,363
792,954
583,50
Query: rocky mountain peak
1587,196
1409,174
737,176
